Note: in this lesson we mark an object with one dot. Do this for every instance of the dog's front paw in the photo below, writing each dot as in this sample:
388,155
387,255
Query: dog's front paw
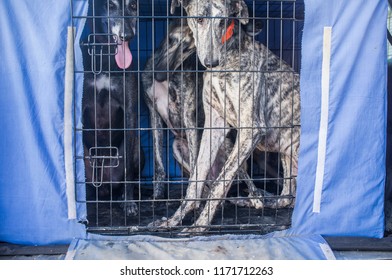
194,230
248,202
262,199
285,202
158,224
256,203
130,208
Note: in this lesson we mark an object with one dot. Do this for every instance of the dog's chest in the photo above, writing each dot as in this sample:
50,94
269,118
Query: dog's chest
233,95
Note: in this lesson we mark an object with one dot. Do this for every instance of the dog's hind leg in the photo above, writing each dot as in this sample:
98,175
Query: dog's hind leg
181,154
245,144
289,165
289,158
256,198
214,132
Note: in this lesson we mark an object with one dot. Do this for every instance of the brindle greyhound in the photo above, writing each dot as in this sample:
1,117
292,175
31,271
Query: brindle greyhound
172,82
171,85
246,87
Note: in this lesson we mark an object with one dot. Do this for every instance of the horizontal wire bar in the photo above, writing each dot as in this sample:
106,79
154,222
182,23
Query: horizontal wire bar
166,17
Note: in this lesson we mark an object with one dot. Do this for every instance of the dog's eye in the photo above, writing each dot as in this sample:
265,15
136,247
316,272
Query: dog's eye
173,40
200,20
133,5
111,5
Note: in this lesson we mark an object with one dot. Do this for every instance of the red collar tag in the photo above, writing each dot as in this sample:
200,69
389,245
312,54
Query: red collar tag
229,32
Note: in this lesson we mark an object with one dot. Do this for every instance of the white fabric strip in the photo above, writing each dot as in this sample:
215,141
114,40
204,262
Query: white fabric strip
68,149
322,144
327,251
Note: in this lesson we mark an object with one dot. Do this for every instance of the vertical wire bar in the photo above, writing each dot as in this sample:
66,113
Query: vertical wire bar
138,143
253,98
239,73
211,77
75,130
266,69
125,128
263,176
224,103
166,20
74,118
282,127
253,21
110,116
292,105
199,91
281,71
167,131
181,86
153,101
95,114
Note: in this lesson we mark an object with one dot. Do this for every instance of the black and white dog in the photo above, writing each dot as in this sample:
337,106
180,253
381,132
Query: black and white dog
112,152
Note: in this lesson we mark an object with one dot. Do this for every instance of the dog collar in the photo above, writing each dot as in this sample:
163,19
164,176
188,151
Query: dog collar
229,32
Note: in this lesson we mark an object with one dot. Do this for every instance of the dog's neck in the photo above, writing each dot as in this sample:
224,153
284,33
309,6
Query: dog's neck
236,39
234,46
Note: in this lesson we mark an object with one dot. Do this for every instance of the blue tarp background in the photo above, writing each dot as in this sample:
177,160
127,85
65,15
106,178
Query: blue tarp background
33,202
354,177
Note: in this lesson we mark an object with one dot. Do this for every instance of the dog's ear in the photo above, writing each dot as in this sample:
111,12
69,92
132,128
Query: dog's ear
254,27
177,3
174,5
241,11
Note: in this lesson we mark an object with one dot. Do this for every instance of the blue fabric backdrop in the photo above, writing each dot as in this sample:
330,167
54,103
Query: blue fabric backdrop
354,173
33,201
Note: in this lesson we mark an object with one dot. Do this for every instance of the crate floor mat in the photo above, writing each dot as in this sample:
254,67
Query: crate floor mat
224,247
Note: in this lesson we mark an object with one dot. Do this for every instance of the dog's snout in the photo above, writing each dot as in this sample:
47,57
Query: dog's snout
161,76
210,63
124,37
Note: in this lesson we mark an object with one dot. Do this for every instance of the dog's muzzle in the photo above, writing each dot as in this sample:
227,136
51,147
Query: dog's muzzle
210,63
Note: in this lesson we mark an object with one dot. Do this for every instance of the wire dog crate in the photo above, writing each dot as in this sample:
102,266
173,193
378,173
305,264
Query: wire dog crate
119,152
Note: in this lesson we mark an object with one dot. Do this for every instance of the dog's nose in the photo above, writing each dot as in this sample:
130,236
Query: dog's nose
161,76
124,37
210,63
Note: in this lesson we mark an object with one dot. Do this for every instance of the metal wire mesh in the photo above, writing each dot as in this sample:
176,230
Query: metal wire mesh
118,133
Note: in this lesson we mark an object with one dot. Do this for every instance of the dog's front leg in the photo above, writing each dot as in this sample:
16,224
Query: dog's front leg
245,144
190,116
129,206
213,136
157,136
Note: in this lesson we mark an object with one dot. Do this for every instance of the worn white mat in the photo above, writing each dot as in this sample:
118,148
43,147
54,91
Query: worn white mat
225,247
